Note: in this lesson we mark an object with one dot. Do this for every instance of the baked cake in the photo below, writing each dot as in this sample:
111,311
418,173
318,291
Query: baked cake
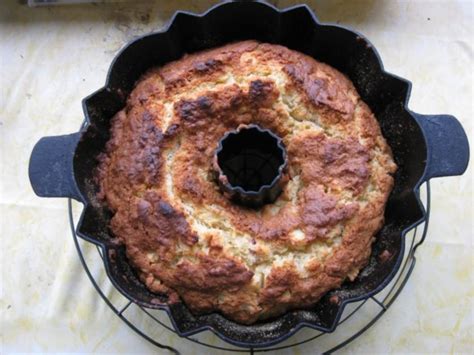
186,239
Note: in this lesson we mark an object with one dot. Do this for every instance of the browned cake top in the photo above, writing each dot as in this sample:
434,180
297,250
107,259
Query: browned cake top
186,238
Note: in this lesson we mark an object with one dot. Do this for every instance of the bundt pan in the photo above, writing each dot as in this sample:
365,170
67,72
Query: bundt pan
424,146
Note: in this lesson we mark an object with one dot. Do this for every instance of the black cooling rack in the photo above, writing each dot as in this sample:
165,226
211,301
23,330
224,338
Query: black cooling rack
357,318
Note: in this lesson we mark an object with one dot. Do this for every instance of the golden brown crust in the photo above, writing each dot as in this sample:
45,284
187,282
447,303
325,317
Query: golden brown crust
185,238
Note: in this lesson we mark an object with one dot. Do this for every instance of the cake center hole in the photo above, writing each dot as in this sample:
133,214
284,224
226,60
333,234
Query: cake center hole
250,158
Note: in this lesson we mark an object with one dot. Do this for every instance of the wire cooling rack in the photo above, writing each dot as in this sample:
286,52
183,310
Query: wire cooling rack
155,327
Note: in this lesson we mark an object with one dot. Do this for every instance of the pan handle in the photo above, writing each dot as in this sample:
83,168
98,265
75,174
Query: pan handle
447,145
51,171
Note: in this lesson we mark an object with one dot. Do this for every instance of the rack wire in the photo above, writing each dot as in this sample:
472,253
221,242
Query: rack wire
154,325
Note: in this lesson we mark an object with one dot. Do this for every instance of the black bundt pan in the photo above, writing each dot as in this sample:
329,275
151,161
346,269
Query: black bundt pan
424,146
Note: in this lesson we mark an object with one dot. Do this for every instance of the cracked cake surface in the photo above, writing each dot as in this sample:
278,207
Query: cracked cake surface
187,240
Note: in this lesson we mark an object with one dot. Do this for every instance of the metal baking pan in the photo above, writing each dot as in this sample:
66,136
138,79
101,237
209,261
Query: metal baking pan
424,147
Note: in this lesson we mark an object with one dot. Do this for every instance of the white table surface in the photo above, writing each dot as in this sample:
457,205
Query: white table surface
53,57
